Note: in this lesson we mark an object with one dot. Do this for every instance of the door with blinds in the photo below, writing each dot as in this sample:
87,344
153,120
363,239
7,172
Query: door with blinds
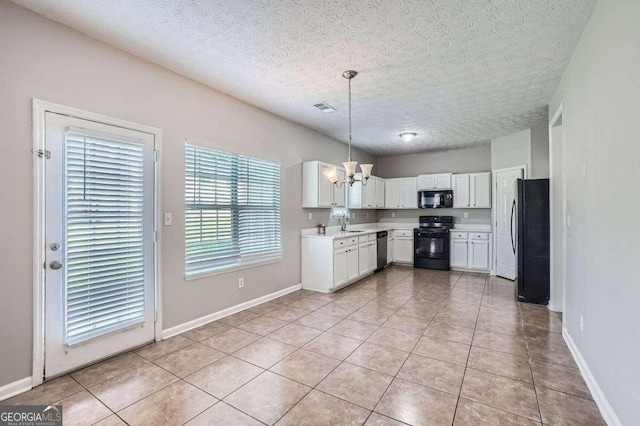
99,236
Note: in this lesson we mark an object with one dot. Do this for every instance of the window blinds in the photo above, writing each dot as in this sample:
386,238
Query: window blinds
232,213
105,261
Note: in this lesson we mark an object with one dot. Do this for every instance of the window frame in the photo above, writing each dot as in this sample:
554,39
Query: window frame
235,206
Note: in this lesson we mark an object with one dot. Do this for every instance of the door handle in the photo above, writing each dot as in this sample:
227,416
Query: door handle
513,208
55,265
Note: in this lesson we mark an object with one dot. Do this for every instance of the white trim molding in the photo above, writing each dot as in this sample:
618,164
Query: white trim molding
15,388
190,325
598,396
39,109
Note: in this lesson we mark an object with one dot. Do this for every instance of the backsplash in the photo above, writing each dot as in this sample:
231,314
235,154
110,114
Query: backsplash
476,216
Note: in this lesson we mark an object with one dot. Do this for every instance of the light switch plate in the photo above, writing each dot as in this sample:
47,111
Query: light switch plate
466,215
393,214
310,216
168,219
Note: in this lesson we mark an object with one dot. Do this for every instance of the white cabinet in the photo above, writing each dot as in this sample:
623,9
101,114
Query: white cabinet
479,254
380,190
363,259
352,263
401,193
434,181
373,256
409,193
459,253
369,196
480,190
393,194
340,267
472,190
403,247
471,250
317,190
390,247
461,191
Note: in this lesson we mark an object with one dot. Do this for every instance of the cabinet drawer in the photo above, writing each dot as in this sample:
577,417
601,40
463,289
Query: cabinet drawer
373,237
363,239
479,236
353,241
404,233
342,242
459,235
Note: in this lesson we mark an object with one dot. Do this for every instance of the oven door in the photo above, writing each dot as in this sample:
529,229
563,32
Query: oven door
431,244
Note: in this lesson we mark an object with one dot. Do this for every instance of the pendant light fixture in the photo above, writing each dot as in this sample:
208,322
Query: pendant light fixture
350,165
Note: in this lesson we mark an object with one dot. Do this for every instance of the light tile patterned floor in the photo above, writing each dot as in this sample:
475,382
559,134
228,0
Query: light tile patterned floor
404,346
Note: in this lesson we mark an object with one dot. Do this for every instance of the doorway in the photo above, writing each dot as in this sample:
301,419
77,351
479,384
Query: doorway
505,218
558,208
96,203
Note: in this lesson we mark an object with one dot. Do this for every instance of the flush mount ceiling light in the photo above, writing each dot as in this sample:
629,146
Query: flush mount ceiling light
407,136
350,165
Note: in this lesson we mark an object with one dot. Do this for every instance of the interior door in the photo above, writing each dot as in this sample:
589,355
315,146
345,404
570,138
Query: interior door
506,265
99,234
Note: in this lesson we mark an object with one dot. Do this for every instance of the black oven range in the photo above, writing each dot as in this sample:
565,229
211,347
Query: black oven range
431,242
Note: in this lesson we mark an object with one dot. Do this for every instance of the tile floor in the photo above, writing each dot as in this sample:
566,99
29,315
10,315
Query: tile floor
404,346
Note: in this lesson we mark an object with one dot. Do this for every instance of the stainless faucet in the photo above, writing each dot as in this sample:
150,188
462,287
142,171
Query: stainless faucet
343,223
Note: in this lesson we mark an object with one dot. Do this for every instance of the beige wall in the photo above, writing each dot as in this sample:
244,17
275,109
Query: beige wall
511,151
468,160
42,59
600,91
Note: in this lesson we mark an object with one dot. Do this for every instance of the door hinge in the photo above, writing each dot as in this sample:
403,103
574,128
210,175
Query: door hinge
155,316
42,153
155,236
155,156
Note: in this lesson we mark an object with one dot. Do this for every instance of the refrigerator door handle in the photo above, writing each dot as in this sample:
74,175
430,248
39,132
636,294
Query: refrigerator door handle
513,210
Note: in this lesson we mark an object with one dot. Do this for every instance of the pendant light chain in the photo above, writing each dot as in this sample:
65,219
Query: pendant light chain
349,119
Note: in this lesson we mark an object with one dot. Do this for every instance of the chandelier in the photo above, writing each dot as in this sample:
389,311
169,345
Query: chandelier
350,165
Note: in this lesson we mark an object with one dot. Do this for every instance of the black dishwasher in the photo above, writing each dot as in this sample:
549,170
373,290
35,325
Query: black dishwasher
382,249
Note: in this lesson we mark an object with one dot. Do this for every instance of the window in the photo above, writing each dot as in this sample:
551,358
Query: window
232,211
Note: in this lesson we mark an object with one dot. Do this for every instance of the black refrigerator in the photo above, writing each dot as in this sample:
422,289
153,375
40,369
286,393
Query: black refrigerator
531,240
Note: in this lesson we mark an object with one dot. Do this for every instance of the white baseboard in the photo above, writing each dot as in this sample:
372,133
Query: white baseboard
598,396
12,389
190,325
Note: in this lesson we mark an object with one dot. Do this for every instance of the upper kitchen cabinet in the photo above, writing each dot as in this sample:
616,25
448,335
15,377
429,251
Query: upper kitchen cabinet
401,193
369,196
434,181
472,190
317,190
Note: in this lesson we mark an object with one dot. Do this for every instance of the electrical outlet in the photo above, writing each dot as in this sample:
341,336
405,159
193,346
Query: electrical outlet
241,282
367,215
310,216
353,215
466,215
581,323
393,214
168,219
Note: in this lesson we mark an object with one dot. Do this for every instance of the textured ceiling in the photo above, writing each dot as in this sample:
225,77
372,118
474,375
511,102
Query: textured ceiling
456,72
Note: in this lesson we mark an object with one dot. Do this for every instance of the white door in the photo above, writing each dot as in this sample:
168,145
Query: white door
340,267
506,222
443,181
461,191
409,194
373,255
99,235
363,259
379,193
404,250
479,254
338,193
459,253
480,190
325,188
392,194
390,250
352,263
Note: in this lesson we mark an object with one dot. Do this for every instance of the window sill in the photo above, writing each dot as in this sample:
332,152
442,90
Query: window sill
205,274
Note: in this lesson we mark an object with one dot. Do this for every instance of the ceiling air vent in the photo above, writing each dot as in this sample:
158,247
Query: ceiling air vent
324,107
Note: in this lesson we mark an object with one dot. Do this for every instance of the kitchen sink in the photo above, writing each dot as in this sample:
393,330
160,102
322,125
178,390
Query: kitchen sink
353,232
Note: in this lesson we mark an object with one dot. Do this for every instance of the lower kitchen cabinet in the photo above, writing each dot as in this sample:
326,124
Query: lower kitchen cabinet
403,247
390,247
471,250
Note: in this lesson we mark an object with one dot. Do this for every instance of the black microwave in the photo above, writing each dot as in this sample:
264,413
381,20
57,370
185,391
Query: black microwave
442,199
